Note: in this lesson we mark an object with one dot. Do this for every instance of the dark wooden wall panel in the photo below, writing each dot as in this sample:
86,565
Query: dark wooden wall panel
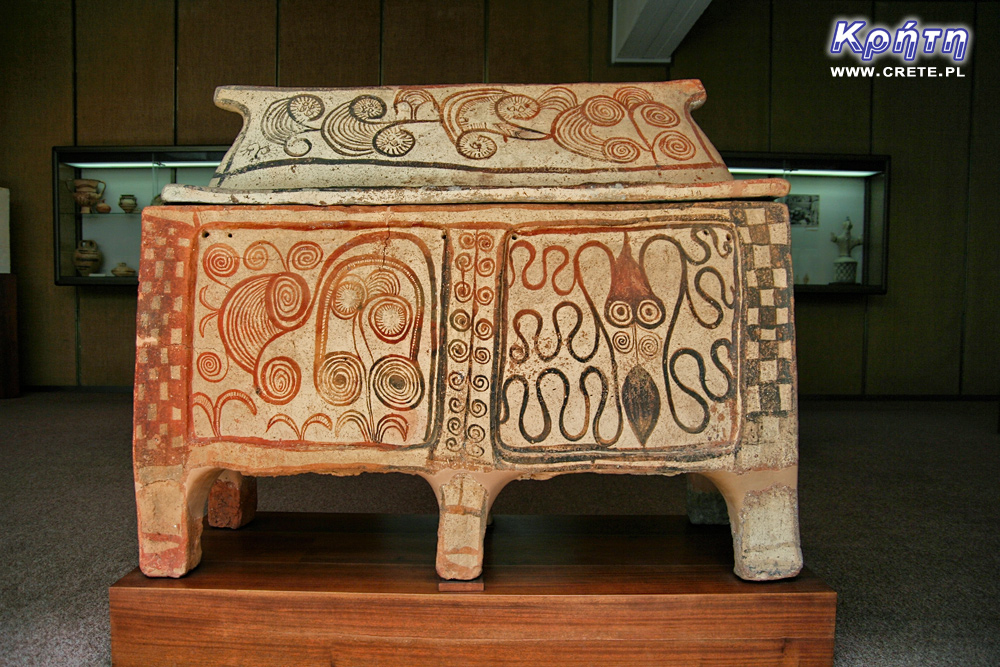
125,72
729,50
981,346
107,336
810,109
539,42
601,68
328,42
914,331
223,42
432,41
812,112
36,113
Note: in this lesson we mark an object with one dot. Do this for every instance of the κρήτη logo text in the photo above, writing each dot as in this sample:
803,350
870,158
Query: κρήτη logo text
908,41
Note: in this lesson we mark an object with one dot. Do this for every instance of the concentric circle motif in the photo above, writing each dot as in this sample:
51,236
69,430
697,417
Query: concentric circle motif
476,145
390,317
486,267
463,291
338,378
603,110
460,320
650,313
287,299
675,145
279,380
349,296
394,141
622,342
397,382
305,256
210,367
619,313
220,261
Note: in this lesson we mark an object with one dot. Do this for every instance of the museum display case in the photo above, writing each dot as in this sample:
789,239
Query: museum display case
98,197
838,208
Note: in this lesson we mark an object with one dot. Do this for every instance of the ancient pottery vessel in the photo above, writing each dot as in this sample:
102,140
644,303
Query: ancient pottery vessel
102,207
86,192
473,284
122,270
87,257
127,203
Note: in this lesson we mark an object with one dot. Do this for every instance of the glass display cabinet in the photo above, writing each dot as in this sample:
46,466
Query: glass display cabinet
838,206
98,197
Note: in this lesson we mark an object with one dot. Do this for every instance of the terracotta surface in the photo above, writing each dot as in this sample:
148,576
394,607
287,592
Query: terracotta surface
471,344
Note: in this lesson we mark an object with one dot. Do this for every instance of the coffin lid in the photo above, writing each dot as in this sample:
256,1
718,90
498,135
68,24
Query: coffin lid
584,142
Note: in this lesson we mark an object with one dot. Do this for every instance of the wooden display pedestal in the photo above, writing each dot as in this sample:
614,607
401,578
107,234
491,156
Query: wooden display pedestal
312,589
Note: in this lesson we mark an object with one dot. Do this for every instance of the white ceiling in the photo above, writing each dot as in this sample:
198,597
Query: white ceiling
648,31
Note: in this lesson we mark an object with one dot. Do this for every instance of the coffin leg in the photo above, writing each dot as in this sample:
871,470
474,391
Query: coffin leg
705,504
170,511
764,517
232,502
465,506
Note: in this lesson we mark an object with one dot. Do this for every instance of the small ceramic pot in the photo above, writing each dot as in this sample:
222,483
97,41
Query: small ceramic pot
102,207
86,192
127,203
123,269
87,258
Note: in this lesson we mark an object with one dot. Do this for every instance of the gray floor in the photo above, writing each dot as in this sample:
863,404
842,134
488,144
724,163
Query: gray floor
899,513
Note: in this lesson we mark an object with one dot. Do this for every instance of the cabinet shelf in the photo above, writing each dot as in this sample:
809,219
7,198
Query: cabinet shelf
140,171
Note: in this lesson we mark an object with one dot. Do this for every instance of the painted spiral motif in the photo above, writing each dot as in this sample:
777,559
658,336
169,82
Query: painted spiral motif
631,97
305,255
477,408
480,383
485,242
255,256
603,110
210,367
481,355
476,145
466,240
287,299
367,107
382,281
659,115
397,382
390,317
622,342
220,261
620,149
338,378
475,433
460,320
304,108
486,267
279,380
458,351
463,262
483,329
675,145
649,346
485,296
463,291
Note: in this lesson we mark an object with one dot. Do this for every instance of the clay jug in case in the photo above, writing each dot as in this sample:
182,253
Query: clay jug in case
87,257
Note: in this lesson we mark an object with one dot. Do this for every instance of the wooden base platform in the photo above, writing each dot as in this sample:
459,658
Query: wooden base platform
312,589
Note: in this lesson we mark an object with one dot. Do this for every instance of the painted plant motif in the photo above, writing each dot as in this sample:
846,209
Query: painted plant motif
332,334
638,352
616,129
